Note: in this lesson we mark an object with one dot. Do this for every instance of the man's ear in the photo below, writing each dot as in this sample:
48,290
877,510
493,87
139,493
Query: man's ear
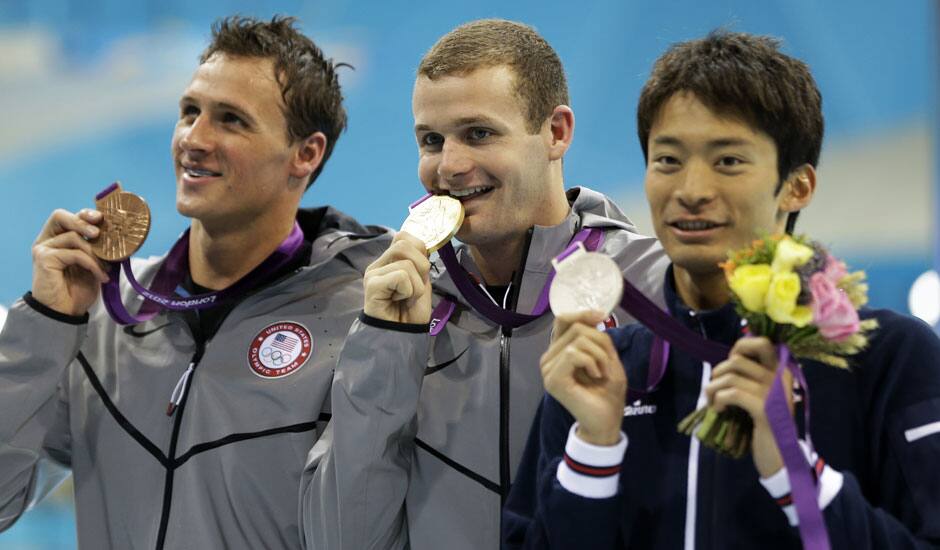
308,156
798,189
561,131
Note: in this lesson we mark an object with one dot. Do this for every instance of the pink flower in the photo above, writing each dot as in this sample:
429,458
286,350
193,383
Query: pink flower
834,270
833,312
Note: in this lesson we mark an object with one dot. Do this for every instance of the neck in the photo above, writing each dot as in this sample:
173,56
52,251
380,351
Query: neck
701,291
498,262
218,257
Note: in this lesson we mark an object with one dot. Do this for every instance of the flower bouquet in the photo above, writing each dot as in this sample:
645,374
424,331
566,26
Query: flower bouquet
792,291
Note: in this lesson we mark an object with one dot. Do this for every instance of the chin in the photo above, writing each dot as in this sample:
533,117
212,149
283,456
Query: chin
694,261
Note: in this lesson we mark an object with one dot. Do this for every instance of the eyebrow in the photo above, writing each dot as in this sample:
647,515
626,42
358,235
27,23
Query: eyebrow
717,143
460,122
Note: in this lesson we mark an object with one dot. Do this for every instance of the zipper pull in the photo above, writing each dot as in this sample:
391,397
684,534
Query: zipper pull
180,390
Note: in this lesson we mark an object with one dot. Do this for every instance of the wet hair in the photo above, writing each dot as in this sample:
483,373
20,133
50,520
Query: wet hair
745,76
540,81
313,100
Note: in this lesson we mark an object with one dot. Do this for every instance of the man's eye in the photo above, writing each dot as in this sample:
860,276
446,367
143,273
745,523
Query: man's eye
477,134
666,160
187,111
232,118
729,162
431,140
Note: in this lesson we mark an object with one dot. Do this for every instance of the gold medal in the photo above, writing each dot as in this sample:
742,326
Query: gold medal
585,281
435,221
124,227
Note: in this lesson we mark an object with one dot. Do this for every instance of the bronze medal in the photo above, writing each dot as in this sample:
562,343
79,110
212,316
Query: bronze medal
124,227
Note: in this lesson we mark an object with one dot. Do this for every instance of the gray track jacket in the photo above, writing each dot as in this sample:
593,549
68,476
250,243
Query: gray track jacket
428,431
224,471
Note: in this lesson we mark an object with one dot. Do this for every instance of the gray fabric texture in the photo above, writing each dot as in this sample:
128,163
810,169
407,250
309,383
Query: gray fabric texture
379,484
234,485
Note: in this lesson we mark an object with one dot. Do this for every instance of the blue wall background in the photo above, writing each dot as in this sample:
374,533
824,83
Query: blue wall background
88,93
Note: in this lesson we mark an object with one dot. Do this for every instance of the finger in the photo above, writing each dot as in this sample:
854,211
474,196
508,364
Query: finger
736,381
743,366
562,368
572,332
735,397
758,349
592,318
70,240
63,221
62,258
412,241
394,286
591,348
404,250
90,215
405,266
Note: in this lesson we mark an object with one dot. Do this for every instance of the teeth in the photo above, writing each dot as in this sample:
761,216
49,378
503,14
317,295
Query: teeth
695,225
198,172
461,193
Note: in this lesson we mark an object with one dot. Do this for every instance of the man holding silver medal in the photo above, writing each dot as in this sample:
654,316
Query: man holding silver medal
438,381
189,426
731,128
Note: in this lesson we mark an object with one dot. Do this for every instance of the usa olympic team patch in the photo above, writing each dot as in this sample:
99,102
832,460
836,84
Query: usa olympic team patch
280,349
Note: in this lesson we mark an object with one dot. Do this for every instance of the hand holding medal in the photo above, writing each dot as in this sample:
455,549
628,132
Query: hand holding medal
397,285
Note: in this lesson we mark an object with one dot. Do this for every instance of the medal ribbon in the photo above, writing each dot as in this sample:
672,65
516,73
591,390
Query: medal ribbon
172,272
668,331
804,487
591,237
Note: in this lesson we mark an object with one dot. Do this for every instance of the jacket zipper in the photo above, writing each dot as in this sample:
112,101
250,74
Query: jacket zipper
171,455
504,378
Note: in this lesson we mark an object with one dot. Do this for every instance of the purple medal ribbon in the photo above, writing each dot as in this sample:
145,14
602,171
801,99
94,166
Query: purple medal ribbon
174,270
803,487
591,238
669,331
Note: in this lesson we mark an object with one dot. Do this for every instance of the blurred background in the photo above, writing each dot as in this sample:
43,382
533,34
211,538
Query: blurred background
89,91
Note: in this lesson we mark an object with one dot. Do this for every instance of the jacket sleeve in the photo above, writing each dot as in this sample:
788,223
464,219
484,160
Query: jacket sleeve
36,346
566,493
899,506
356,478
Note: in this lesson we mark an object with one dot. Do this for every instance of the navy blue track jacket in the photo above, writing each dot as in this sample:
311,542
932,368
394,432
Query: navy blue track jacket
876,427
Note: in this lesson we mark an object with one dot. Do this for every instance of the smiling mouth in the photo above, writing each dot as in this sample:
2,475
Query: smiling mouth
469,193
200,173
695,225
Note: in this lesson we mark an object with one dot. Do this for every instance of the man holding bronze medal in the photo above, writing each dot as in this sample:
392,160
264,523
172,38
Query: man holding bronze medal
731,129
438,381
189,426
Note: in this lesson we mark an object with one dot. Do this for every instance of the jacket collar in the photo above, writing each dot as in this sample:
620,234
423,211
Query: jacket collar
588,209
721,325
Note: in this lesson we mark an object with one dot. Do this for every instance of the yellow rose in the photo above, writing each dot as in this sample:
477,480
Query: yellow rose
789,254
801,316
781,297
750,283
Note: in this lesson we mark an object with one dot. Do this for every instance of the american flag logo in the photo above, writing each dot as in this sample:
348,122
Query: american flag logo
284,342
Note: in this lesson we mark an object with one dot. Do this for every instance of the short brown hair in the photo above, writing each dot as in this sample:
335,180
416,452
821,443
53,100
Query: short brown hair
539,76
309,85
747,76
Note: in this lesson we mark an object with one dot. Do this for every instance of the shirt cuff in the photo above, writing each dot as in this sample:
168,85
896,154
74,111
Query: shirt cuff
829,482
588,470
